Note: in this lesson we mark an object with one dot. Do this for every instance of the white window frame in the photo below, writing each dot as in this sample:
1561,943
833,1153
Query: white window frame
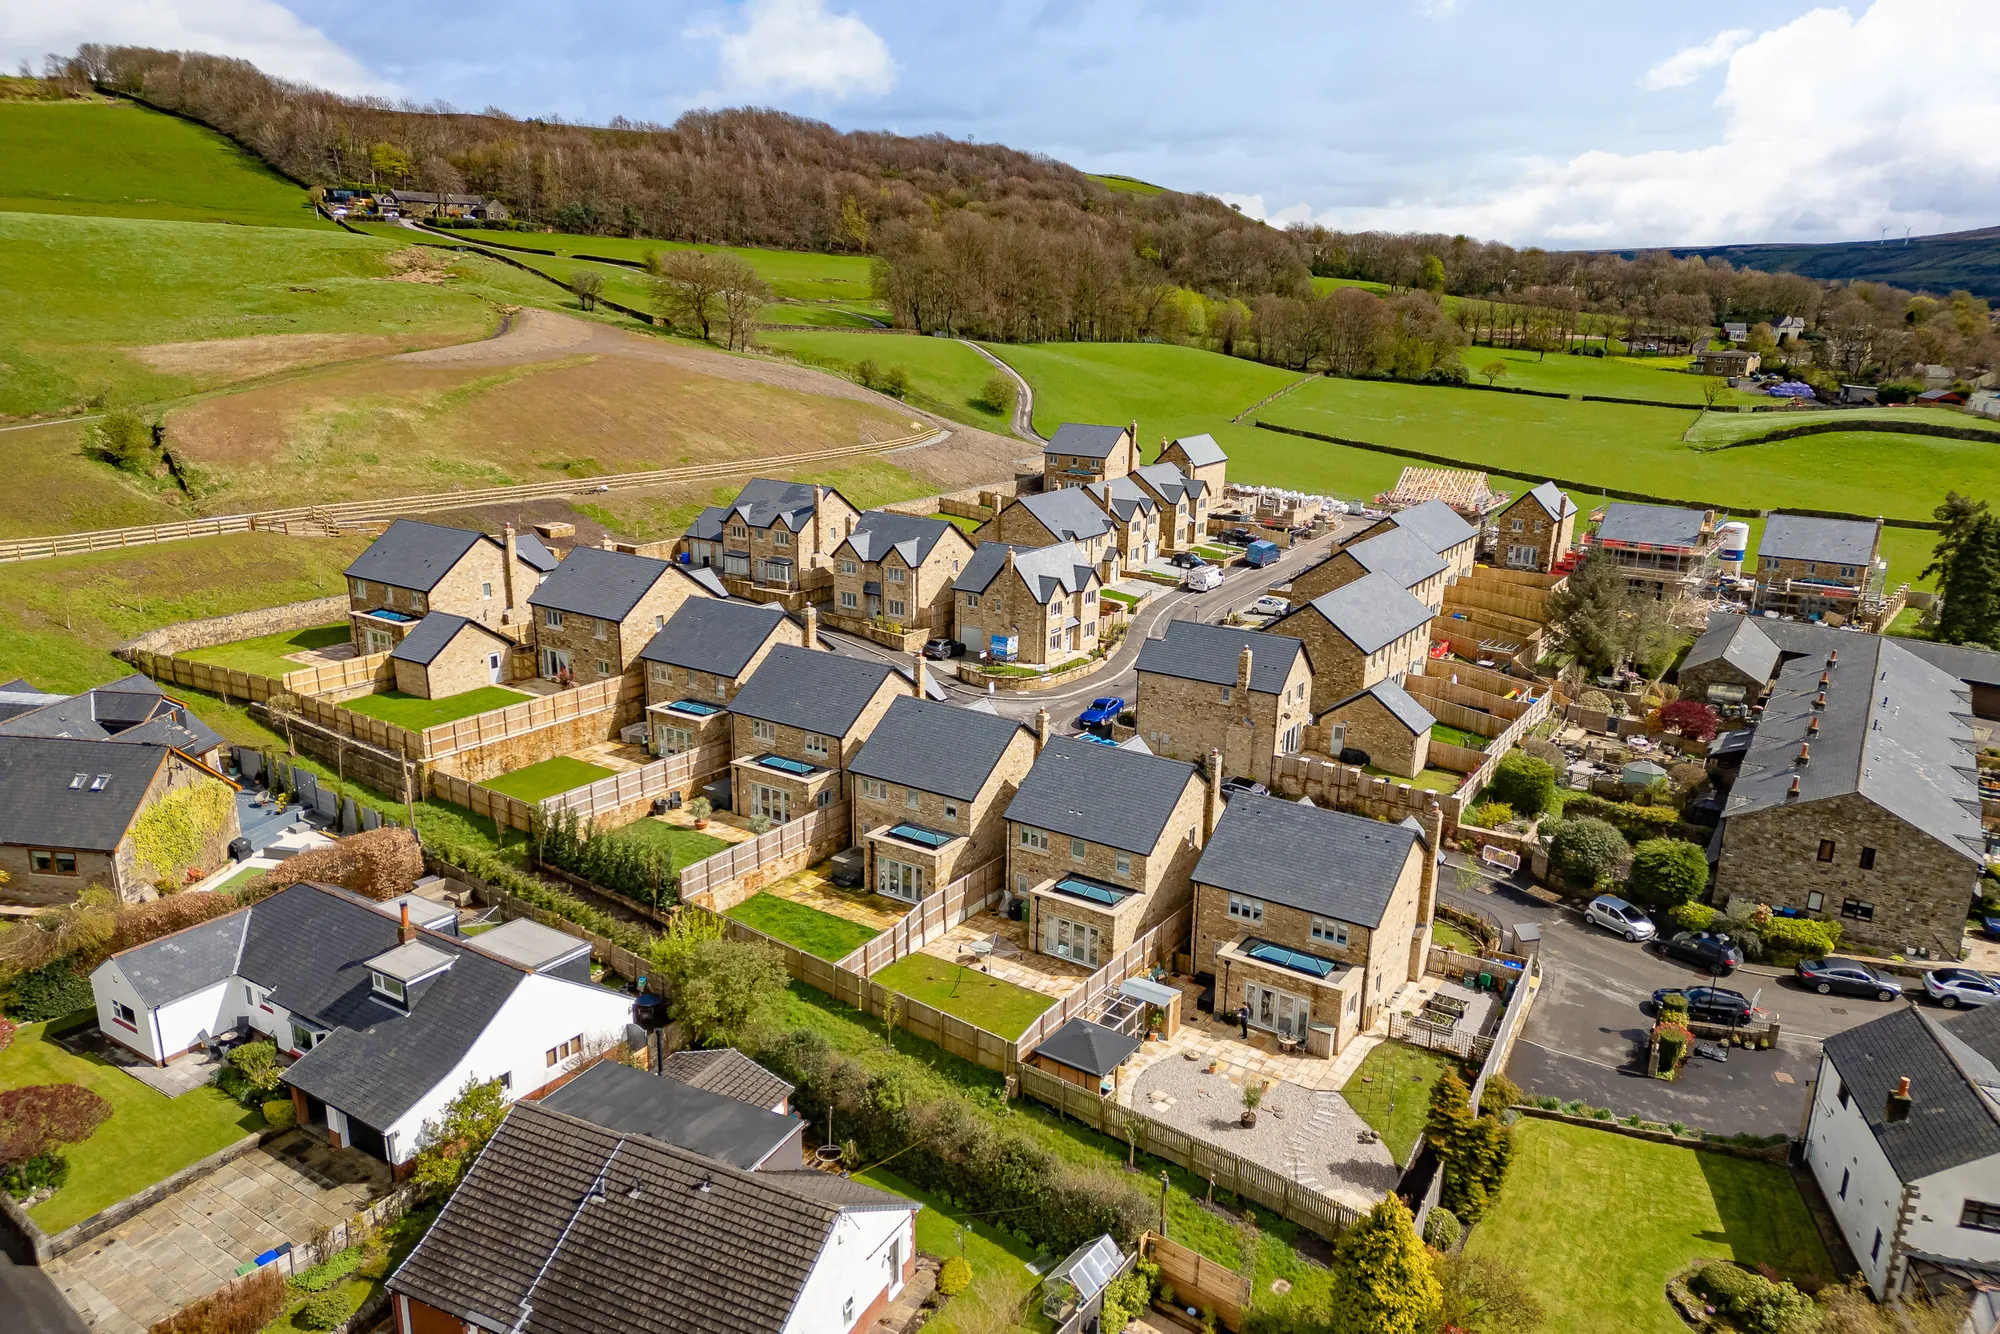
816,745
1123,865
1331,932
893,573
1078,849
384,985
1246,909
874,789
763,731
551,618
1035,839
897,607
848,600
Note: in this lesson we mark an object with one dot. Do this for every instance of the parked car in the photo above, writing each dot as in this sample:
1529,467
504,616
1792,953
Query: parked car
1232,786
1709,950
1237,537
1261,553
1712,1005
1953,987
1102,711
943,648
1615,914
1186,560
1845,976
1990,924
1269,605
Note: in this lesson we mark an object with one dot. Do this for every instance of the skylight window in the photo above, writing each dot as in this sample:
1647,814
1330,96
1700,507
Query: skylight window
76,783
99,783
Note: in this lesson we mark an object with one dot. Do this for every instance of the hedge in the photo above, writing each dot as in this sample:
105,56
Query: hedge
1800,935
1636,823
49,992
483,865
638,870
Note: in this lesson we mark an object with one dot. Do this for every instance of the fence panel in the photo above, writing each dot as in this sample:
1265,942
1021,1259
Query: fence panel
739,859
934,915
1156,946
642,784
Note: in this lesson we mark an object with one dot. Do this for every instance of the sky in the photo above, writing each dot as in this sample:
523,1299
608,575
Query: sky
1563,123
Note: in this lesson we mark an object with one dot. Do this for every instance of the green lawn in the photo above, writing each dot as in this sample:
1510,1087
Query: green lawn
1001,1279
1663,379
1458,736
1430,780
417,713
996,1006
1444,933
799,275
683,845
241,878
120,160
148,1136
1596,1223
1172,391
945,375
266,655
1391,1091
538,781
815,932
824,314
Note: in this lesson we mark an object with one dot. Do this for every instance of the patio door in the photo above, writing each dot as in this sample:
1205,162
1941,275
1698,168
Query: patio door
379,641
774,804
899,880
1277,1011
555,661
1070,940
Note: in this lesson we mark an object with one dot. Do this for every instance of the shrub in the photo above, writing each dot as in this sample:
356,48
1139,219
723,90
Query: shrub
1691,719
1801,935
1546,751
1598,700
1524,783
1489,815
1687,777
7,1031
329,1271
241,1308
1499,1094
48,1170
279,1114
124,440
867,372
1633,821
257,1062
1675,1044
1123,1300
1691,916
1442,1229
328,1310
378,864
37,1118
954,1276
1584,850
484,865
895,382
1667,872
1755,1303
49,992
996,395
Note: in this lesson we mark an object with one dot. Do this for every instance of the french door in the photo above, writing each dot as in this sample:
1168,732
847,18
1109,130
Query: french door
1277,1011
899,880
1070,940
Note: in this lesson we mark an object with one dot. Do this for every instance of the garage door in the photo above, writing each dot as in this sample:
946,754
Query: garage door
367,1139
972,637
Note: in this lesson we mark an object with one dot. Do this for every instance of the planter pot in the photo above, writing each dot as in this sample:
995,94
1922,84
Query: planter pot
1248,1118
701,824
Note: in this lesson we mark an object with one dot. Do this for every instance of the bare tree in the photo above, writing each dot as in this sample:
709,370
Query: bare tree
687,285
588,285
742,294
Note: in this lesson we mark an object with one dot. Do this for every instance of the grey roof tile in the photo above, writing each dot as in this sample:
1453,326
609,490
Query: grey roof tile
936,748
1652,525
1068,514
1371,612
1191,651
433,633
729,1072
711,635
39,807
1062,568
1741,642
1091,1048
1555,502
1399,702
530,550
1950,1122
714,1125
1318,861
912,536
187,961
1084,441
1807,537
810,688
1123,497
1967,662
707,525
1437,523
764,501
1167,481
606,584
1103,794
414,554
1201,450
1400,554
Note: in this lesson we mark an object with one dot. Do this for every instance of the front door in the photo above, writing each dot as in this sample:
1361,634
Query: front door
1276,1011
555,661
899,880
493,668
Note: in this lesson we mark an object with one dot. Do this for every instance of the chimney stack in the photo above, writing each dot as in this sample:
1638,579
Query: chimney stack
507,557
1420,942
1212,809
1243,661
921,676
607,543
1041,729
1897,1106
407,933
810,615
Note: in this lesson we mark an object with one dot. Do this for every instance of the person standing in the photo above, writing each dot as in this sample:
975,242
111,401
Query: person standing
1243,1020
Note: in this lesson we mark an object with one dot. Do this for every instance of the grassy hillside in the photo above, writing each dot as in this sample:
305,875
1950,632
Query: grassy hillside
1130,185
945,374
797,275
1172,391
1945,263
115,159
1660,379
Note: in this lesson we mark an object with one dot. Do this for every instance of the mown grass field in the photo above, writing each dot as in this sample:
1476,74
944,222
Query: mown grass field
945,374
822,934
416,713
539,781
1661,379
996,1005
270,655
1172,391
115,159
799,275
1391,1091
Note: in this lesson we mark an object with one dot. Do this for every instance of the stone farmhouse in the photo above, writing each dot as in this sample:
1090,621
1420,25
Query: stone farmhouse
1310,918
1034,606
930,789
770,535
1857,800
1049,517
1743,654
1904,1139
1081,454
447,654
1397,553
1439,527
1183,502
696,663
898,568
797,722
415,568
1102,845
598,609
1662,550
1241,693
1135,518
387,1020
1535,529
1807,564
1360,633
1200,459
1385,724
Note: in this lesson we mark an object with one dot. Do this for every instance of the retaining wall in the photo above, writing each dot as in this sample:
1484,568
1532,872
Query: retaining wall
213,630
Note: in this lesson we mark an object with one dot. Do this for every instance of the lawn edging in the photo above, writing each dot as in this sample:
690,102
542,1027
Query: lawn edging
1780,1154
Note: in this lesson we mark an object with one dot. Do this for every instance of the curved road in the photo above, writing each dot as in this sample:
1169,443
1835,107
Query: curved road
1024,396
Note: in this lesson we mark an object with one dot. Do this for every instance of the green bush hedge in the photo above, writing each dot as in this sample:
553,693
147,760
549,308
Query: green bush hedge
1754,1303
483,865
1667,872
1634,822
1692,916
49,992
1524,783
1801,935
636,869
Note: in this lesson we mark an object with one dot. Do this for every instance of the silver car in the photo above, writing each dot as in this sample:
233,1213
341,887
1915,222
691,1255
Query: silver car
1953,987
1626,919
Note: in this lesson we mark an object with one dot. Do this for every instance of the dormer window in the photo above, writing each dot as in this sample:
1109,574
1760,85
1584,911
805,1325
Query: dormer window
384,985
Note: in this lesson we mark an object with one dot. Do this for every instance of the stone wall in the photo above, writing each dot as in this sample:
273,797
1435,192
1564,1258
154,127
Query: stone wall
493,758
1185,720
983,819
1339,668
1008,607
184,635
379,769
1371,728
1346,788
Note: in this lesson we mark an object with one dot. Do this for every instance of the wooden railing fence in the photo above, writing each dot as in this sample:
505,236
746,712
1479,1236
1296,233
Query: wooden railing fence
232,683
933,916
740,859
1155,946
608,796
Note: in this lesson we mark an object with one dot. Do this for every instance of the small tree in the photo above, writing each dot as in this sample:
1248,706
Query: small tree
1690,718
1382,1277
124,440
1667,872
995,396
448,1143
1584,850
588,285
722,986
1493,370
687,286
1590,614
1525,783
1484,1296
742,294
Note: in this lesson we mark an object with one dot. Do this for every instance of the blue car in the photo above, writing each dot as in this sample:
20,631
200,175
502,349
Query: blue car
1101,712
1990,922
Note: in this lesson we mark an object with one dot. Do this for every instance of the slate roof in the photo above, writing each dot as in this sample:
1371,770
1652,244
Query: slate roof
764,501
935,748
668,1242
1201,450
912,536
714,1125
131,710
1068,514
729,1072
1318,861
1967,662
1084,441
1555,502
39,807
606,584
1741,642
1123,497
1062,568
711,635
707,577
1104,794
532,551
1372,611
1895,730
1651,525
1951,1123
707,525
810,688
1402,705
414,554
433,633
1438,524
1091,1048
170,967
1400,554
1191,651
1831,541
1169,482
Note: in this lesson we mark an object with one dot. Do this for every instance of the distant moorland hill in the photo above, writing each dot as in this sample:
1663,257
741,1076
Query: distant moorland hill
1953,261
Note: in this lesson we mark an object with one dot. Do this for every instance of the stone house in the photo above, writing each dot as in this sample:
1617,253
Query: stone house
1396,552
1200,459
132,710
1726,361
1101,843
1383,722
772,533
1857,801
1135,518
1732,663
449,655
1535,529
1368,631
598,609
73,814
415,568
929,792
1183,502
1039,606
898,567
1241,693
1757,646
1661,550
1049,517
1807,564
1080,454
797,722
1439,527
1312,919
699,659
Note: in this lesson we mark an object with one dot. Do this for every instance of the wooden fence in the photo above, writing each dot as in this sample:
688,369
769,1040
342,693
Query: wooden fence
1420,1032
530,715
1310,1208
615,957
1155,946
608,798
1204,1284
231,683
505,811
1531,718
794,836
934,915
365,671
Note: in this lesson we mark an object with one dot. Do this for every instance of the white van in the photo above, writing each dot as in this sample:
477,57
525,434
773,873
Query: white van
1202,578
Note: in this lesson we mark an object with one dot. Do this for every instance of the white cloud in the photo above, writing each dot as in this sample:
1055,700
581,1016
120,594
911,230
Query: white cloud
263,32
1683,67
1437,9
797,46
1832,127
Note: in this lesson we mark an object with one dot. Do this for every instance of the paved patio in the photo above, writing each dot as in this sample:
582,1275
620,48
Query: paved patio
193,1242
189,1071
616,756
1000,946
813,888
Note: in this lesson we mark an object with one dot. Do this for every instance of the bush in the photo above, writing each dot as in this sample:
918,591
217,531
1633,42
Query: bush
996,395
483,865
49,1170
1667,872
257,1062
1598,700
1801,935
1675,1043
279,1114
241,1308
1634,822
1488,815
7,1031
329,1271
125,441
1524,783
1584,850
954,1276
1442,1229
328,1310
1546,751
50,992
1125,1299
1691,719
1755,1303
1691,916
37,1118
641,871
379,864
1499,1094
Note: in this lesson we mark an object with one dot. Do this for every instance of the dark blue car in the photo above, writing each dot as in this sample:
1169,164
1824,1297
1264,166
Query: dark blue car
1101,712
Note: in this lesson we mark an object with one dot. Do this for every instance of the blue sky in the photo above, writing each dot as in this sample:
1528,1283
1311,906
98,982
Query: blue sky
1532,121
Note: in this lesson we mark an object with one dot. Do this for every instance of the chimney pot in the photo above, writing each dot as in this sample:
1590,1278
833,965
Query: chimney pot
1819,701
1897,1106
406,932
1825,680
1812,728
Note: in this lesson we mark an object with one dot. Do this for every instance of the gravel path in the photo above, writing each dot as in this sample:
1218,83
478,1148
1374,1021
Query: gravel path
1312,1137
